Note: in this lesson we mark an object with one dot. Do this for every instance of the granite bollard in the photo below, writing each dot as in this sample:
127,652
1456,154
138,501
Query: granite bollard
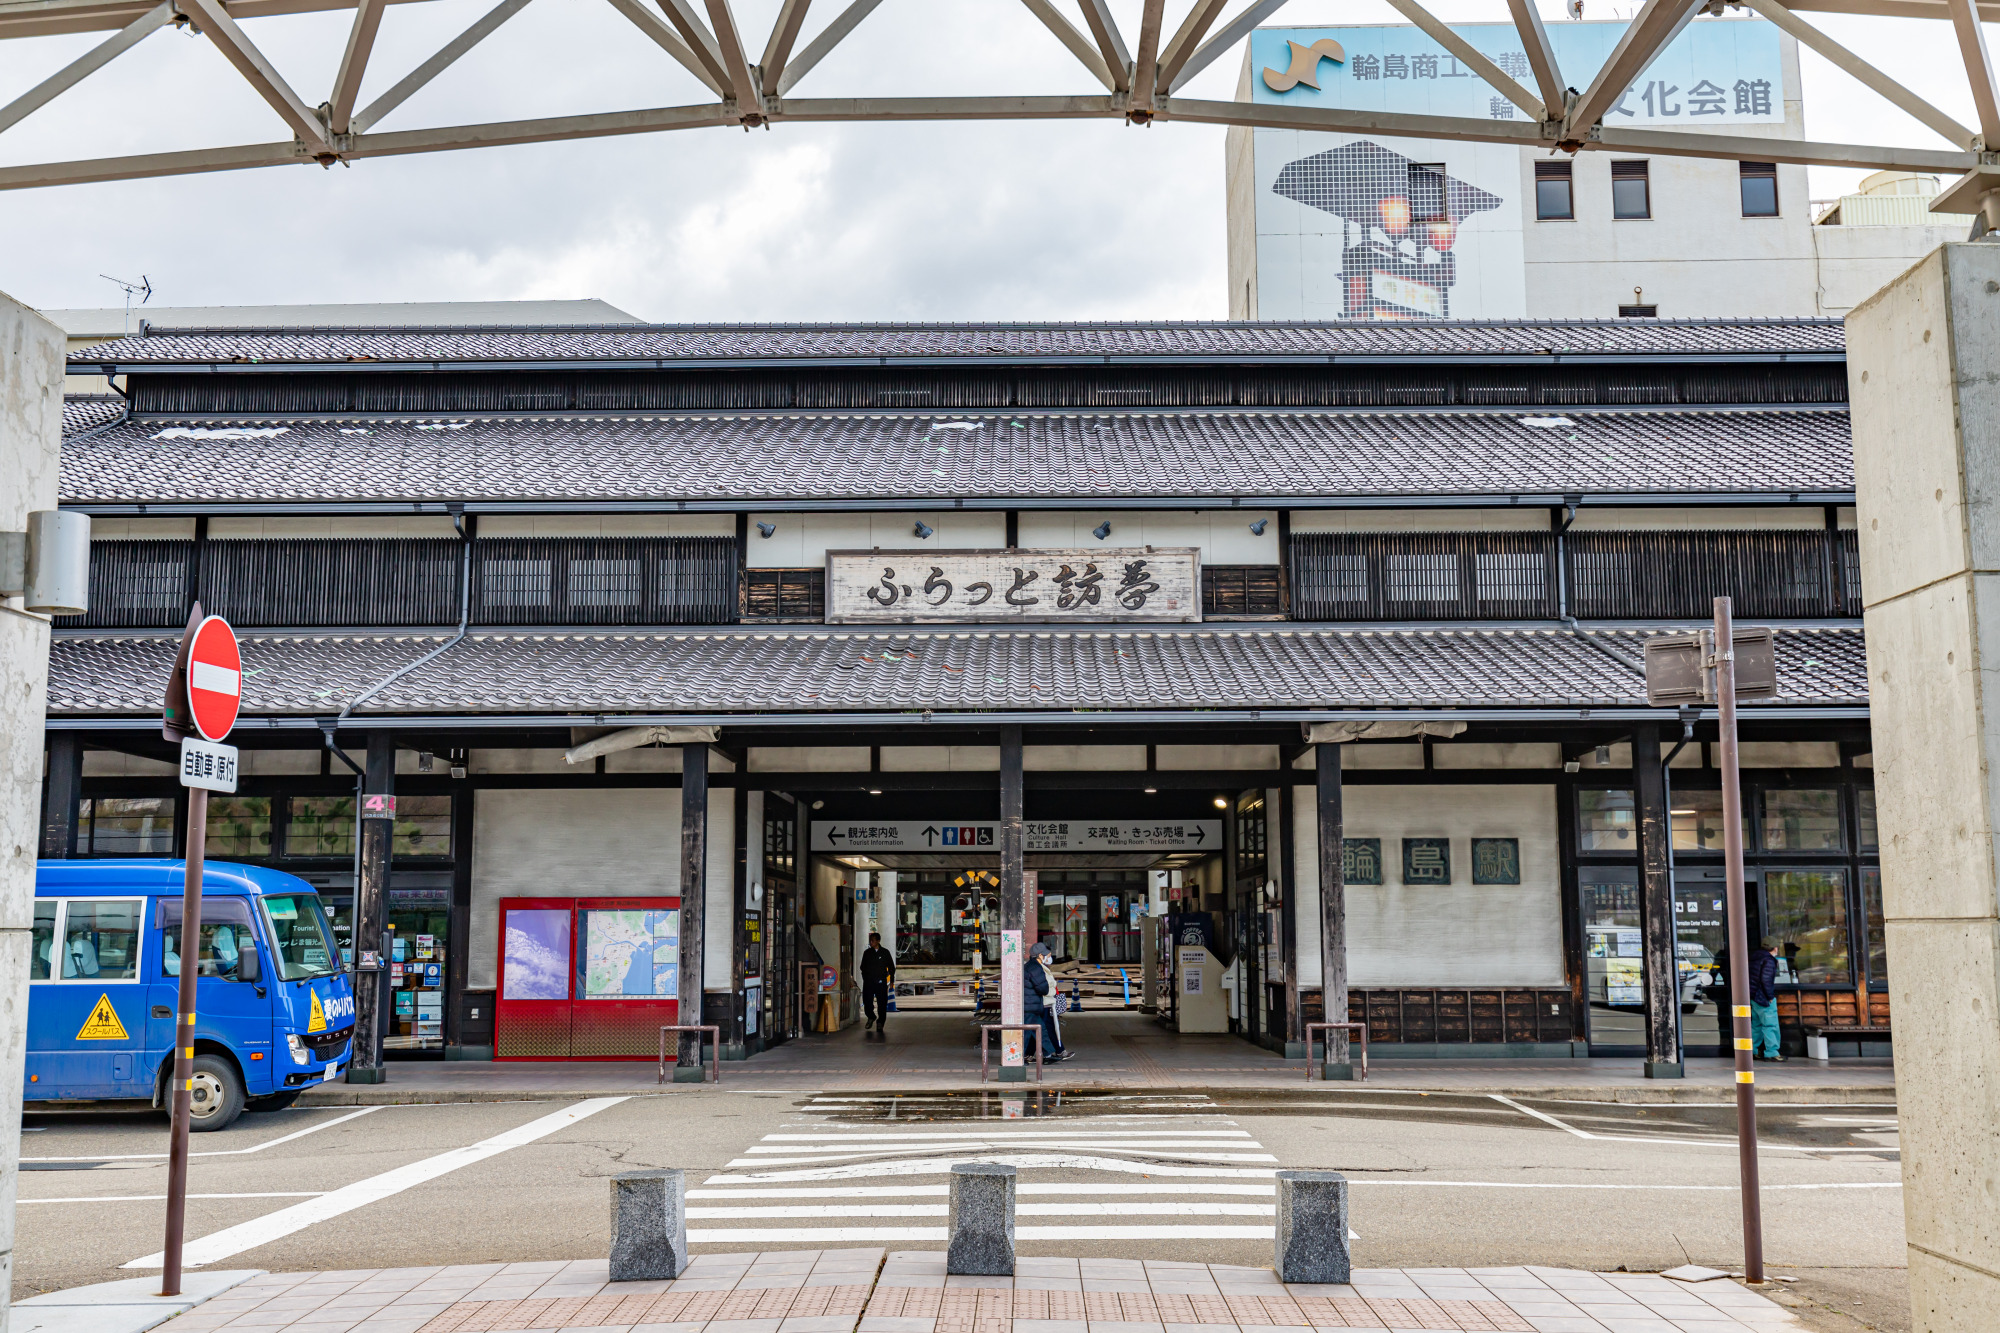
648,1225
1312,1227
982,1220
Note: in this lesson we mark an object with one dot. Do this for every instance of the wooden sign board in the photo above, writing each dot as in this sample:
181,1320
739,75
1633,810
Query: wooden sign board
1143,583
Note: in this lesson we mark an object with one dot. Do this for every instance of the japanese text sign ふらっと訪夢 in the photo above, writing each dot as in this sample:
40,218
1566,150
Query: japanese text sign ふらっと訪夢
945,587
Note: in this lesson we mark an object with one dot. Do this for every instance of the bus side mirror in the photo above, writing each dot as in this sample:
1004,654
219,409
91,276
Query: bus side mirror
248,968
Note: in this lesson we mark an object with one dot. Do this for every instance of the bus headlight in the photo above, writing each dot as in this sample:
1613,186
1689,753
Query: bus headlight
300,1054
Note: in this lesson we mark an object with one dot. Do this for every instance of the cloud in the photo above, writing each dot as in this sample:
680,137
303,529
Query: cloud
928,221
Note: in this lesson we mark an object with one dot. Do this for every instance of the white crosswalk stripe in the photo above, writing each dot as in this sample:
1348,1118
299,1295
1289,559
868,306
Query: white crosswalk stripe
1137,1161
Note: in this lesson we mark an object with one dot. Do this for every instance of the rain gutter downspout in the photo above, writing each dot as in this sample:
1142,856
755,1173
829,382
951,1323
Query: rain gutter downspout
464,619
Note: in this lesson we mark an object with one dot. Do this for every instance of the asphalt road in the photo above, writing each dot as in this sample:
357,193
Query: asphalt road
1438,1180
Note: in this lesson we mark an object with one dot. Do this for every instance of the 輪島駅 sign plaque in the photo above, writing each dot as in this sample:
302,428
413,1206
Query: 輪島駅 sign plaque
950,587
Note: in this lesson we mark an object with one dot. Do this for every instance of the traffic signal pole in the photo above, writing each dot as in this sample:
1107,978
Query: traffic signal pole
183,1077
1724,663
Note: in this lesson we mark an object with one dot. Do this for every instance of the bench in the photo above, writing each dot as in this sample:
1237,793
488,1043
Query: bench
1817,1035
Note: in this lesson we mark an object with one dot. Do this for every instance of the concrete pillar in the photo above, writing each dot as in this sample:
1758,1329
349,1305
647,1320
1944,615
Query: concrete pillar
694,903
61,795
1922,356
31,378
1332,909
376,828
1660,969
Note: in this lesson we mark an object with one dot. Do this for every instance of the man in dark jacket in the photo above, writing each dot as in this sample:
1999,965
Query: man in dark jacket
878,973
1764,1002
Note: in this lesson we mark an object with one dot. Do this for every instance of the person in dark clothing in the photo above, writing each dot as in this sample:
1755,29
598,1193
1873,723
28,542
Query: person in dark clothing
1764,1002
1038,990
878,973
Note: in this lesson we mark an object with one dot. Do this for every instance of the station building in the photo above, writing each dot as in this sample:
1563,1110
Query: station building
766,636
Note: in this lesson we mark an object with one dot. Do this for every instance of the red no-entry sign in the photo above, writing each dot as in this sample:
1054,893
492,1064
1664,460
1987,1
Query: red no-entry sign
215,678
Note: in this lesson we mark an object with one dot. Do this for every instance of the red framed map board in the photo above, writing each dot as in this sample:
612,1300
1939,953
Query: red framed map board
586,978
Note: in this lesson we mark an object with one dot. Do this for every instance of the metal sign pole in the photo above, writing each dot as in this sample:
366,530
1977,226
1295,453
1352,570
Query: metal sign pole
183,1102
1739,940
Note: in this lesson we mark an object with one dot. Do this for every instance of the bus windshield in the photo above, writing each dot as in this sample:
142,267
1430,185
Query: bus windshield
304,944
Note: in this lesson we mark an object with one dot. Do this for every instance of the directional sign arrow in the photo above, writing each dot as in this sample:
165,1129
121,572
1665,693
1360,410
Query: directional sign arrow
1200,833
930,835
833,835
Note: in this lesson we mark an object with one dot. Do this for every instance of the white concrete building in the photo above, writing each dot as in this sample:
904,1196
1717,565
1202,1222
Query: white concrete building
1362,226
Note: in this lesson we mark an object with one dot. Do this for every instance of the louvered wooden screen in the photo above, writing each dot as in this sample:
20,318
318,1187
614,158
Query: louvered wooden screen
604,581
1424,576
137,585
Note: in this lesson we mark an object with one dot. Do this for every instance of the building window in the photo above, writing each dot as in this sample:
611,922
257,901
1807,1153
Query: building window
1605,821
1697,821
1802,821
1630,197
239,827
1878,938
1426,187
1864,806
1760,189
320,826
126,825
423,826
1806,918
1555,192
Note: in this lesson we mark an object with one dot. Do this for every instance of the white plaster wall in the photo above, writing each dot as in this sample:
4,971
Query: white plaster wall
1857,262
1083,758
799,541
31,378
1433,935
940,758
152,529
113,764
607,525
808,759
407,525
1212,756
1222,535
1720,518
1527,518
604,842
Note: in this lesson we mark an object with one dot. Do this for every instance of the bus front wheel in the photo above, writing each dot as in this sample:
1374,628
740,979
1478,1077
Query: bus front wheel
217,1094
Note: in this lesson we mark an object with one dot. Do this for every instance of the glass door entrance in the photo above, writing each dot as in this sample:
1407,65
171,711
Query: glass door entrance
1613,957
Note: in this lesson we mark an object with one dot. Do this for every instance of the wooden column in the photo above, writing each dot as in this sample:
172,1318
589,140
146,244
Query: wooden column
375,826
694,900
1013,835
1285,848
64,789
1332,909
1661,973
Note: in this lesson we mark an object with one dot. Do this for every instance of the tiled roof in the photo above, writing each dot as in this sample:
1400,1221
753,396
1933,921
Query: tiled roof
779,457
958,342
746,671
88,411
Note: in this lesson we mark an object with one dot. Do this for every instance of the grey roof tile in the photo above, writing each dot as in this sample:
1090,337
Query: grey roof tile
955,671
809,342
88,411
773,457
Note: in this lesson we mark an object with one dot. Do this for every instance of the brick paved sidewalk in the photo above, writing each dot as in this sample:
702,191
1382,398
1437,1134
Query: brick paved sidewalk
864,1291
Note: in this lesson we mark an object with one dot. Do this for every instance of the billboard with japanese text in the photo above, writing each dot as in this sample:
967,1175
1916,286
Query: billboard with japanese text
1367,226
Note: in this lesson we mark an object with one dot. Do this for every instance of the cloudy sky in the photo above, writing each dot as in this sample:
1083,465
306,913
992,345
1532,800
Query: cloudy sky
947,221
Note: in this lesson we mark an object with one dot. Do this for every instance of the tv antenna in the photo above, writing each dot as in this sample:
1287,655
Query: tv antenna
143,289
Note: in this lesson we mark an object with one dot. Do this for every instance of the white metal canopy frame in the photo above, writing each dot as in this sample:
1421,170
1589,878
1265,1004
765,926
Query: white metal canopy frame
1139,82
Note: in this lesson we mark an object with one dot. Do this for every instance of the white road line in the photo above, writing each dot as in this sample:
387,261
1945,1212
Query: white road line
771,1235
219,1152
158,1198
973,1152
1124,1209
1559,1185
938,1166
235,1240
916,1136
940,1191
1763,1145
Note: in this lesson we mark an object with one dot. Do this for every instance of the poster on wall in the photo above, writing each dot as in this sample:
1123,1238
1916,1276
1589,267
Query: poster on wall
536,955
629,952
1365,226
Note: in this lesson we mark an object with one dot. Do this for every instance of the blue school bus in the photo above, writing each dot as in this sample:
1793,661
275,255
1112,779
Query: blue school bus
273,1012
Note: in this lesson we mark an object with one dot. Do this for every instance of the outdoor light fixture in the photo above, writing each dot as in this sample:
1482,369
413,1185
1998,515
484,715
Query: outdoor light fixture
923,529
1222,802
874,791
48,566
1152,791
1571,766
766,529
1102,530
1604,756
458,770
1257,528
819,805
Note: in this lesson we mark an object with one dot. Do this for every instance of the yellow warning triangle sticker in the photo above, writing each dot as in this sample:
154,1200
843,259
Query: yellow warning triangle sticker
103,1024
316,1022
